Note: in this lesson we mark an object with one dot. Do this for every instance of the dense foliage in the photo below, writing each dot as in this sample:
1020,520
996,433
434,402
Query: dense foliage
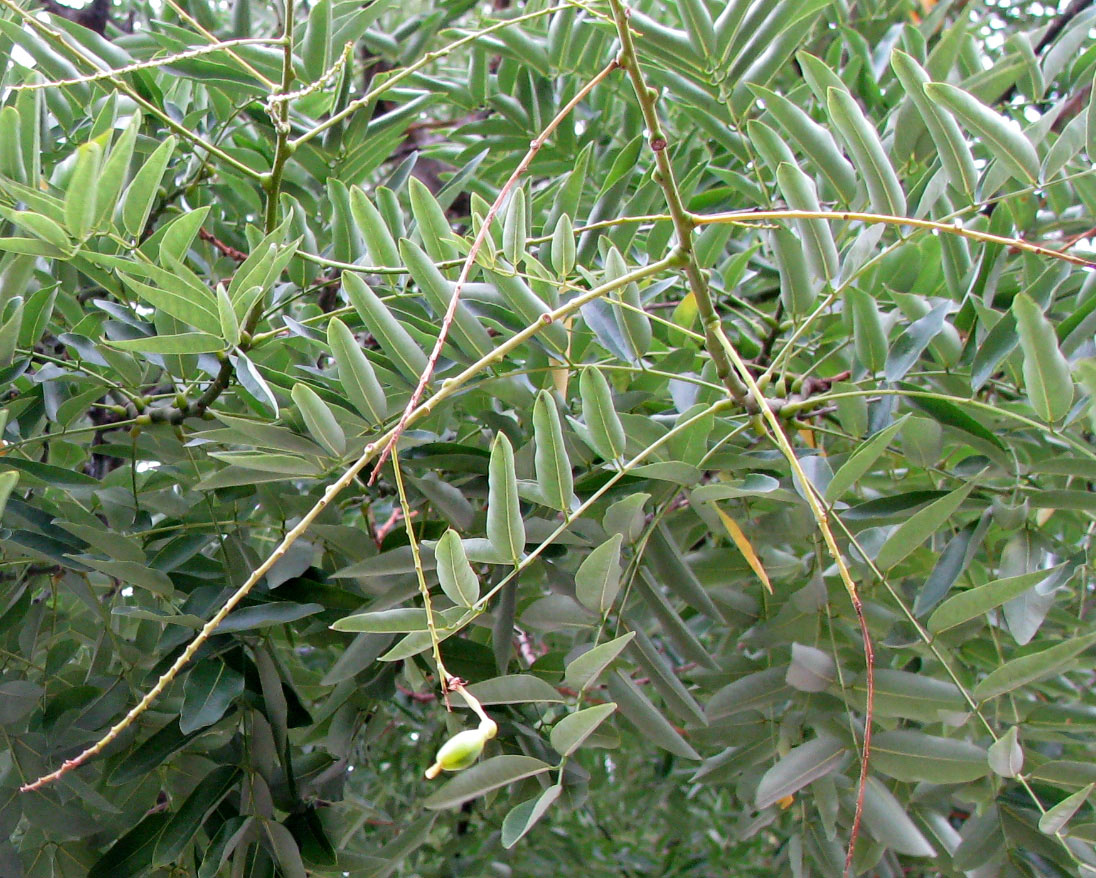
644,523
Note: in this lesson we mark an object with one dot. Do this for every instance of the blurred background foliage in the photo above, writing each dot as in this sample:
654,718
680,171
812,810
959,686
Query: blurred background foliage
224,258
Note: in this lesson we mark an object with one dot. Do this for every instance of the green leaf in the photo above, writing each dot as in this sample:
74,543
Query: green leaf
378,239
951,147
437,237
631,319
814,140
597,580
8,481
552,466
638,709
887,821
230,324
181,343
135,573
195,307
920,526
209,690
1055,819
861,461
480,779
699,26
81,194
948,413
563,246
821,251
1090,127
316,48
132,853
514,223
188,819
585,669
1006,756
17,699
43,227
505,527
1032,667
398,621
511,689
521,818
394,340
112,175
458,580
869,337
569,733
913,756
57,476
142,190
797,291
802,765
606,433
975,602
1001,135
356,373
319,419
529,309
467,332
1047,378
884,188
267,615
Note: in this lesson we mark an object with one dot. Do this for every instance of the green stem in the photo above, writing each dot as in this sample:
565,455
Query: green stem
683,221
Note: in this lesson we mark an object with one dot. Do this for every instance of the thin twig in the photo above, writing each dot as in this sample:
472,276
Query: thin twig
683,221
955,227
466,269
162,61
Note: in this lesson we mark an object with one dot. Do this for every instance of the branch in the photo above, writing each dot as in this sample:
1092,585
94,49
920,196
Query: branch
683,221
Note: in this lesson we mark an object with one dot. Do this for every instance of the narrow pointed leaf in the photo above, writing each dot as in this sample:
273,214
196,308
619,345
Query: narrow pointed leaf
394,340
458,580
505,527
920,526
585,669
1002,136
598,578
319,419
552,466
1032,667
1047,377
602,420
524,817
569,733
480,779
638,710
141,192
801,766
1006,756
356,373
884,189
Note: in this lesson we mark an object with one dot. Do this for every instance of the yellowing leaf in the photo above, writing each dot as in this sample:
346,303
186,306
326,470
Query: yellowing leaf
747,550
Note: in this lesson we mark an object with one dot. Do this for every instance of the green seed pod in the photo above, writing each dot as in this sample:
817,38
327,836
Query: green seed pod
462,749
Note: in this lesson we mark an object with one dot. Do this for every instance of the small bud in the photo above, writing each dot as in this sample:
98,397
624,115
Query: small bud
462,749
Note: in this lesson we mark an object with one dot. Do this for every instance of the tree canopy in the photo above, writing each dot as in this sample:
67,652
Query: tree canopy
682,407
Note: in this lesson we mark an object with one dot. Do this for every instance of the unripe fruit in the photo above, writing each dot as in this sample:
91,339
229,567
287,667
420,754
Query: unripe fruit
462,749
